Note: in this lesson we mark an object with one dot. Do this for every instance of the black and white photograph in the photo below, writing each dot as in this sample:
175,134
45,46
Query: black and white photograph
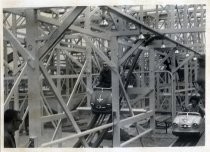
104,76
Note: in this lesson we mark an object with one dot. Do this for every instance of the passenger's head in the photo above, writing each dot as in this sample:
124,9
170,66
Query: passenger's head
109,54
105,66
12,117
194,100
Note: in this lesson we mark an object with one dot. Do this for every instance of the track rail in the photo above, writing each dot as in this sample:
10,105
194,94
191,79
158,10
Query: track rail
186,141
96,120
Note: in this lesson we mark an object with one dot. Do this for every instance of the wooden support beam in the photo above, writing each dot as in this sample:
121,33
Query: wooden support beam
135,21
131,51
188,30
53,117
23,118
135,138
73,59
101,54
164,59
152,86
61,101
122,123
105,35
17,81
71,95
78,135
34,97
7,65
115,93
16,44
183,62
139,91
58,33
89,32
15,11
78,50
48,20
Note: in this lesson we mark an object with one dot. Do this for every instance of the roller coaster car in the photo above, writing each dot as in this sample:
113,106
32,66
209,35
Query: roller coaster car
101,100
188,123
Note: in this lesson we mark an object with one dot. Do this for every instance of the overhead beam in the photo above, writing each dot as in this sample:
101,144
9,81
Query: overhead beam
135,21
126,33
177,31
58,33
105,36
76,28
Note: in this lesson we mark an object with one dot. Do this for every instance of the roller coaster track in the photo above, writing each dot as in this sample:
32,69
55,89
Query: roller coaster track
185,141
99,118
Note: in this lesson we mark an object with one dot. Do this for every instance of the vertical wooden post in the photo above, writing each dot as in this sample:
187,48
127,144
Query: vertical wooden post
141,14
89,60
143,70
34,96
89,75
6,83
173,85
115,94
15,66
67,80
185,42
186,83
152,86
59,109
185,23
157,75
157,17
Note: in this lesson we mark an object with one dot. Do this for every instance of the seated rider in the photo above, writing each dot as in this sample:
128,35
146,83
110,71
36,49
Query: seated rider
105,77
194,106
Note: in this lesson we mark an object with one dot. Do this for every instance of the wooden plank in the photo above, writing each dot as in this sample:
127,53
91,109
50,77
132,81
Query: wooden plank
58,33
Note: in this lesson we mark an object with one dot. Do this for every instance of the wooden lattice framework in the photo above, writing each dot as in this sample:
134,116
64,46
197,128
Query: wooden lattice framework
59,52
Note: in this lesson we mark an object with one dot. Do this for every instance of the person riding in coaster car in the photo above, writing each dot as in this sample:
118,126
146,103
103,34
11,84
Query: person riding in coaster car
101,100
188,123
